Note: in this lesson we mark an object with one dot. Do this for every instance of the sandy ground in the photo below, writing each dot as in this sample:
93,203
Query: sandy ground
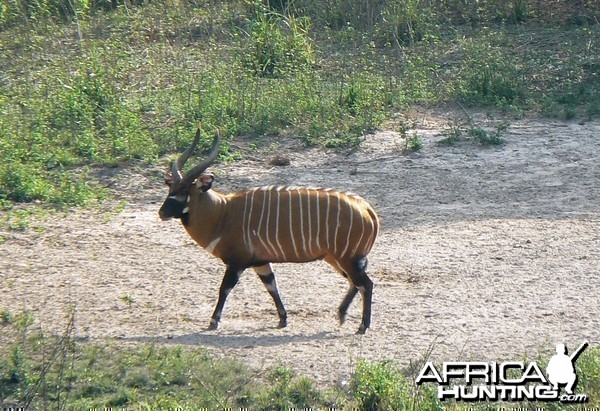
486,253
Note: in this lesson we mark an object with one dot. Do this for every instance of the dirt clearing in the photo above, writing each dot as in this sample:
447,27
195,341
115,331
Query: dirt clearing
486,253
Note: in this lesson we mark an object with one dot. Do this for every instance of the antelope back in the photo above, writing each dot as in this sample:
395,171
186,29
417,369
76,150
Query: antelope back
296,224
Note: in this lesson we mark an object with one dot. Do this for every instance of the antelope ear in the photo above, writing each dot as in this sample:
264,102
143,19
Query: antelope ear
205,181
168,180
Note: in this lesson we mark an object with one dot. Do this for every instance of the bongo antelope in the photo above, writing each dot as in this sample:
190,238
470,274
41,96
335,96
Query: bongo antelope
264,225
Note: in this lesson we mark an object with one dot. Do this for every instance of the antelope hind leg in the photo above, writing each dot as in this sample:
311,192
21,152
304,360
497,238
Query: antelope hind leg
266,275
343,309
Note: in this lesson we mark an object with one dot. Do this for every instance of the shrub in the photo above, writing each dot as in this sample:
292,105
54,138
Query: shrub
277,45
490,76
382,386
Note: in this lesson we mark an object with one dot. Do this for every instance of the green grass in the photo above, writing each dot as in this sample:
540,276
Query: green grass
85,84
59,372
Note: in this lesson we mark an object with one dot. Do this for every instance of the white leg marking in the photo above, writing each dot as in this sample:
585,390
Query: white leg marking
263,270
272,287
213,244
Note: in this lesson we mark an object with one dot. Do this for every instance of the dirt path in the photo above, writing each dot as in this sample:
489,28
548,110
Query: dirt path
486,253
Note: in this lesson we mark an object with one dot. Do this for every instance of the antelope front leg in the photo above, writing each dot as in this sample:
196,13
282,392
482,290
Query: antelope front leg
231,278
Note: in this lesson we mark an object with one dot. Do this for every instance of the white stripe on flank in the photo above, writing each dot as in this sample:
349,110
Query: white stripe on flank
337,227
291,219
372,239
327,220
301,212
349,230
318,197
310,217
250,245
244,219
262,213
267,228
277,222
211,247
362,233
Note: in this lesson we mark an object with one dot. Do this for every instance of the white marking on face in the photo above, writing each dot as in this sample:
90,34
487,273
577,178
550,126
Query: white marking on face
186,210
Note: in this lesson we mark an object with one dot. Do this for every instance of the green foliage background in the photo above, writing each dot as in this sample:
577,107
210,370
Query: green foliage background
87,83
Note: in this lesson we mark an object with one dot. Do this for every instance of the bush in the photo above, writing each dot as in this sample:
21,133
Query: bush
278,45
382,386
490,76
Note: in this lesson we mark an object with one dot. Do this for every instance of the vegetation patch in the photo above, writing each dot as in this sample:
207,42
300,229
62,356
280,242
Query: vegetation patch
43,371
86,83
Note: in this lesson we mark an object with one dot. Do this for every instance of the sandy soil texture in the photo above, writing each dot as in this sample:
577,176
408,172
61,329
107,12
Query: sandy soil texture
486,253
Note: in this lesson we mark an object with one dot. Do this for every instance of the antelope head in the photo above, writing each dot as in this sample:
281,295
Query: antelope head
176,203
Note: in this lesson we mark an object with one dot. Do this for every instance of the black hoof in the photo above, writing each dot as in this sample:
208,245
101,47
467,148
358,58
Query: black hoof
342,317
282,323
213,325
361,330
